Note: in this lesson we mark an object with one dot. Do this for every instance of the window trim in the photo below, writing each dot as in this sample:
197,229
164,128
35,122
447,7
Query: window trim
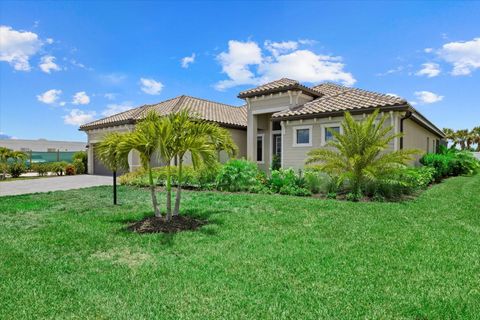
295,129
262,135
324,126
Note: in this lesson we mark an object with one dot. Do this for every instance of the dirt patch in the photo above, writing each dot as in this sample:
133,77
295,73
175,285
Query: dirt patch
123,256
176,224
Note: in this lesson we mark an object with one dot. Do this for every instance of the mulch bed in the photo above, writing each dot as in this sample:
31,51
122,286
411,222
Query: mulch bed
176,224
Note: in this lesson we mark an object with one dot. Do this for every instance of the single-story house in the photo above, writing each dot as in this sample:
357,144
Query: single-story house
282,118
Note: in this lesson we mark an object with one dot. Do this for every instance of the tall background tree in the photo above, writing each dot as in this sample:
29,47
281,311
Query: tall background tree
109,154
464,138
358,154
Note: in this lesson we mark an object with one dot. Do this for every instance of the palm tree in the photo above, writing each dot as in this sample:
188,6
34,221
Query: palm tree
476,137
451,135
202,140
358,154
462,137
146,139
5,154
108,152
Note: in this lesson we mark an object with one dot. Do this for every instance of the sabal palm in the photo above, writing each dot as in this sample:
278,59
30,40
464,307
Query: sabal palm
109,154
201,140
359,153
145,139
476,137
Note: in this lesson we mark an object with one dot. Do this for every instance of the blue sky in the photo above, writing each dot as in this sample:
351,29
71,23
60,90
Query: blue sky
64,63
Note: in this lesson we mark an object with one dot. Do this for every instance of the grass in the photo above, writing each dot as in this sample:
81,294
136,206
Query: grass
66,255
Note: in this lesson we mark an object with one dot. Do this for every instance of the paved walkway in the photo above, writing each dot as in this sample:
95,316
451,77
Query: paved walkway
9,188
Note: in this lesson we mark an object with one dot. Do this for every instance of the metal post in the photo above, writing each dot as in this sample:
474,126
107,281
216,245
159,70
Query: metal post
114,187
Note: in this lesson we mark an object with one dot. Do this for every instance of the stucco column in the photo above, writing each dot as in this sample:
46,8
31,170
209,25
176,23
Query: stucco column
90,159
251,137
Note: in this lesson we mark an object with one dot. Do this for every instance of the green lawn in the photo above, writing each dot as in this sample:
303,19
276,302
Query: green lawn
65,255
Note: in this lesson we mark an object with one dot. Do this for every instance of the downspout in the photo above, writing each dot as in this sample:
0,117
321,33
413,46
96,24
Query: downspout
407,115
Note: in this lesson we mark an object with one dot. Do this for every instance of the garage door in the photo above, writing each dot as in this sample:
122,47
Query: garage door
100,169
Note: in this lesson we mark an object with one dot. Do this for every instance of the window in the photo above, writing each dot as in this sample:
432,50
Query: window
302,136
260,148
428,144
329,135
325,131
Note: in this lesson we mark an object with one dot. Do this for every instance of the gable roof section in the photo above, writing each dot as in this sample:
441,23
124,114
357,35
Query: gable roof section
208,110
277,86
338,98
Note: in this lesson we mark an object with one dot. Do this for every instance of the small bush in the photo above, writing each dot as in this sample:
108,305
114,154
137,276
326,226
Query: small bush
276,162
16,169
440,162
79,166
41,168
83,157
69,170
58,167
237,175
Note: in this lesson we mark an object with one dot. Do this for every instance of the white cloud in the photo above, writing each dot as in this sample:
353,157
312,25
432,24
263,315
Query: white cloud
428,97
429,69
111,78
306,66
428,50
78,117
150,86
244,63
50,96
110,96
186,61
236,62
391,71
277,48
81,98
49,40
116,108
62,103
47,64
464,56
16,47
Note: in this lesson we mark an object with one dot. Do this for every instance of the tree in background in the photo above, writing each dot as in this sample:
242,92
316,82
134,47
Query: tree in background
109,154
5,154
83,157
358,153
464,138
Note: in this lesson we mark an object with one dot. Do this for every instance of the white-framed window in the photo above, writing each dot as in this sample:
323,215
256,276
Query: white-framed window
302,136
325,131
260,148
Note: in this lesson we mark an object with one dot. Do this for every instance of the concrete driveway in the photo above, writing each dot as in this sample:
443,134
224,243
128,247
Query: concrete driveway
9,188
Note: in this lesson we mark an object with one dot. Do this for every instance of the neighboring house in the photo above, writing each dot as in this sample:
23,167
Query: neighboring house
283,118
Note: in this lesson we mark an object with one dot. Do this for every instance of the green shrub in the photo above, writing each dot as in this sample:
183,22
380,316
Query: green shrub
79,166
69,170
276,162
58,167
41,168
16,169
464,162
83,157
316,181
237,175
200,178
440,162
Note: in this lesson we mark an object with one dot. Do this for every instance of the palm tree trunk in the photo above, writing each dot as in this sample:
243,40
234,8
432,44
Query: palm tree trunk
169,193
154,196
179,188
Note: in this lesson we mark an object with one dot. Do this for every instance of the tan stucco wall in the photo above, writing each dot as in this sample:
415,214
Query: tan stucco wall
416,138
94,136
295,156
